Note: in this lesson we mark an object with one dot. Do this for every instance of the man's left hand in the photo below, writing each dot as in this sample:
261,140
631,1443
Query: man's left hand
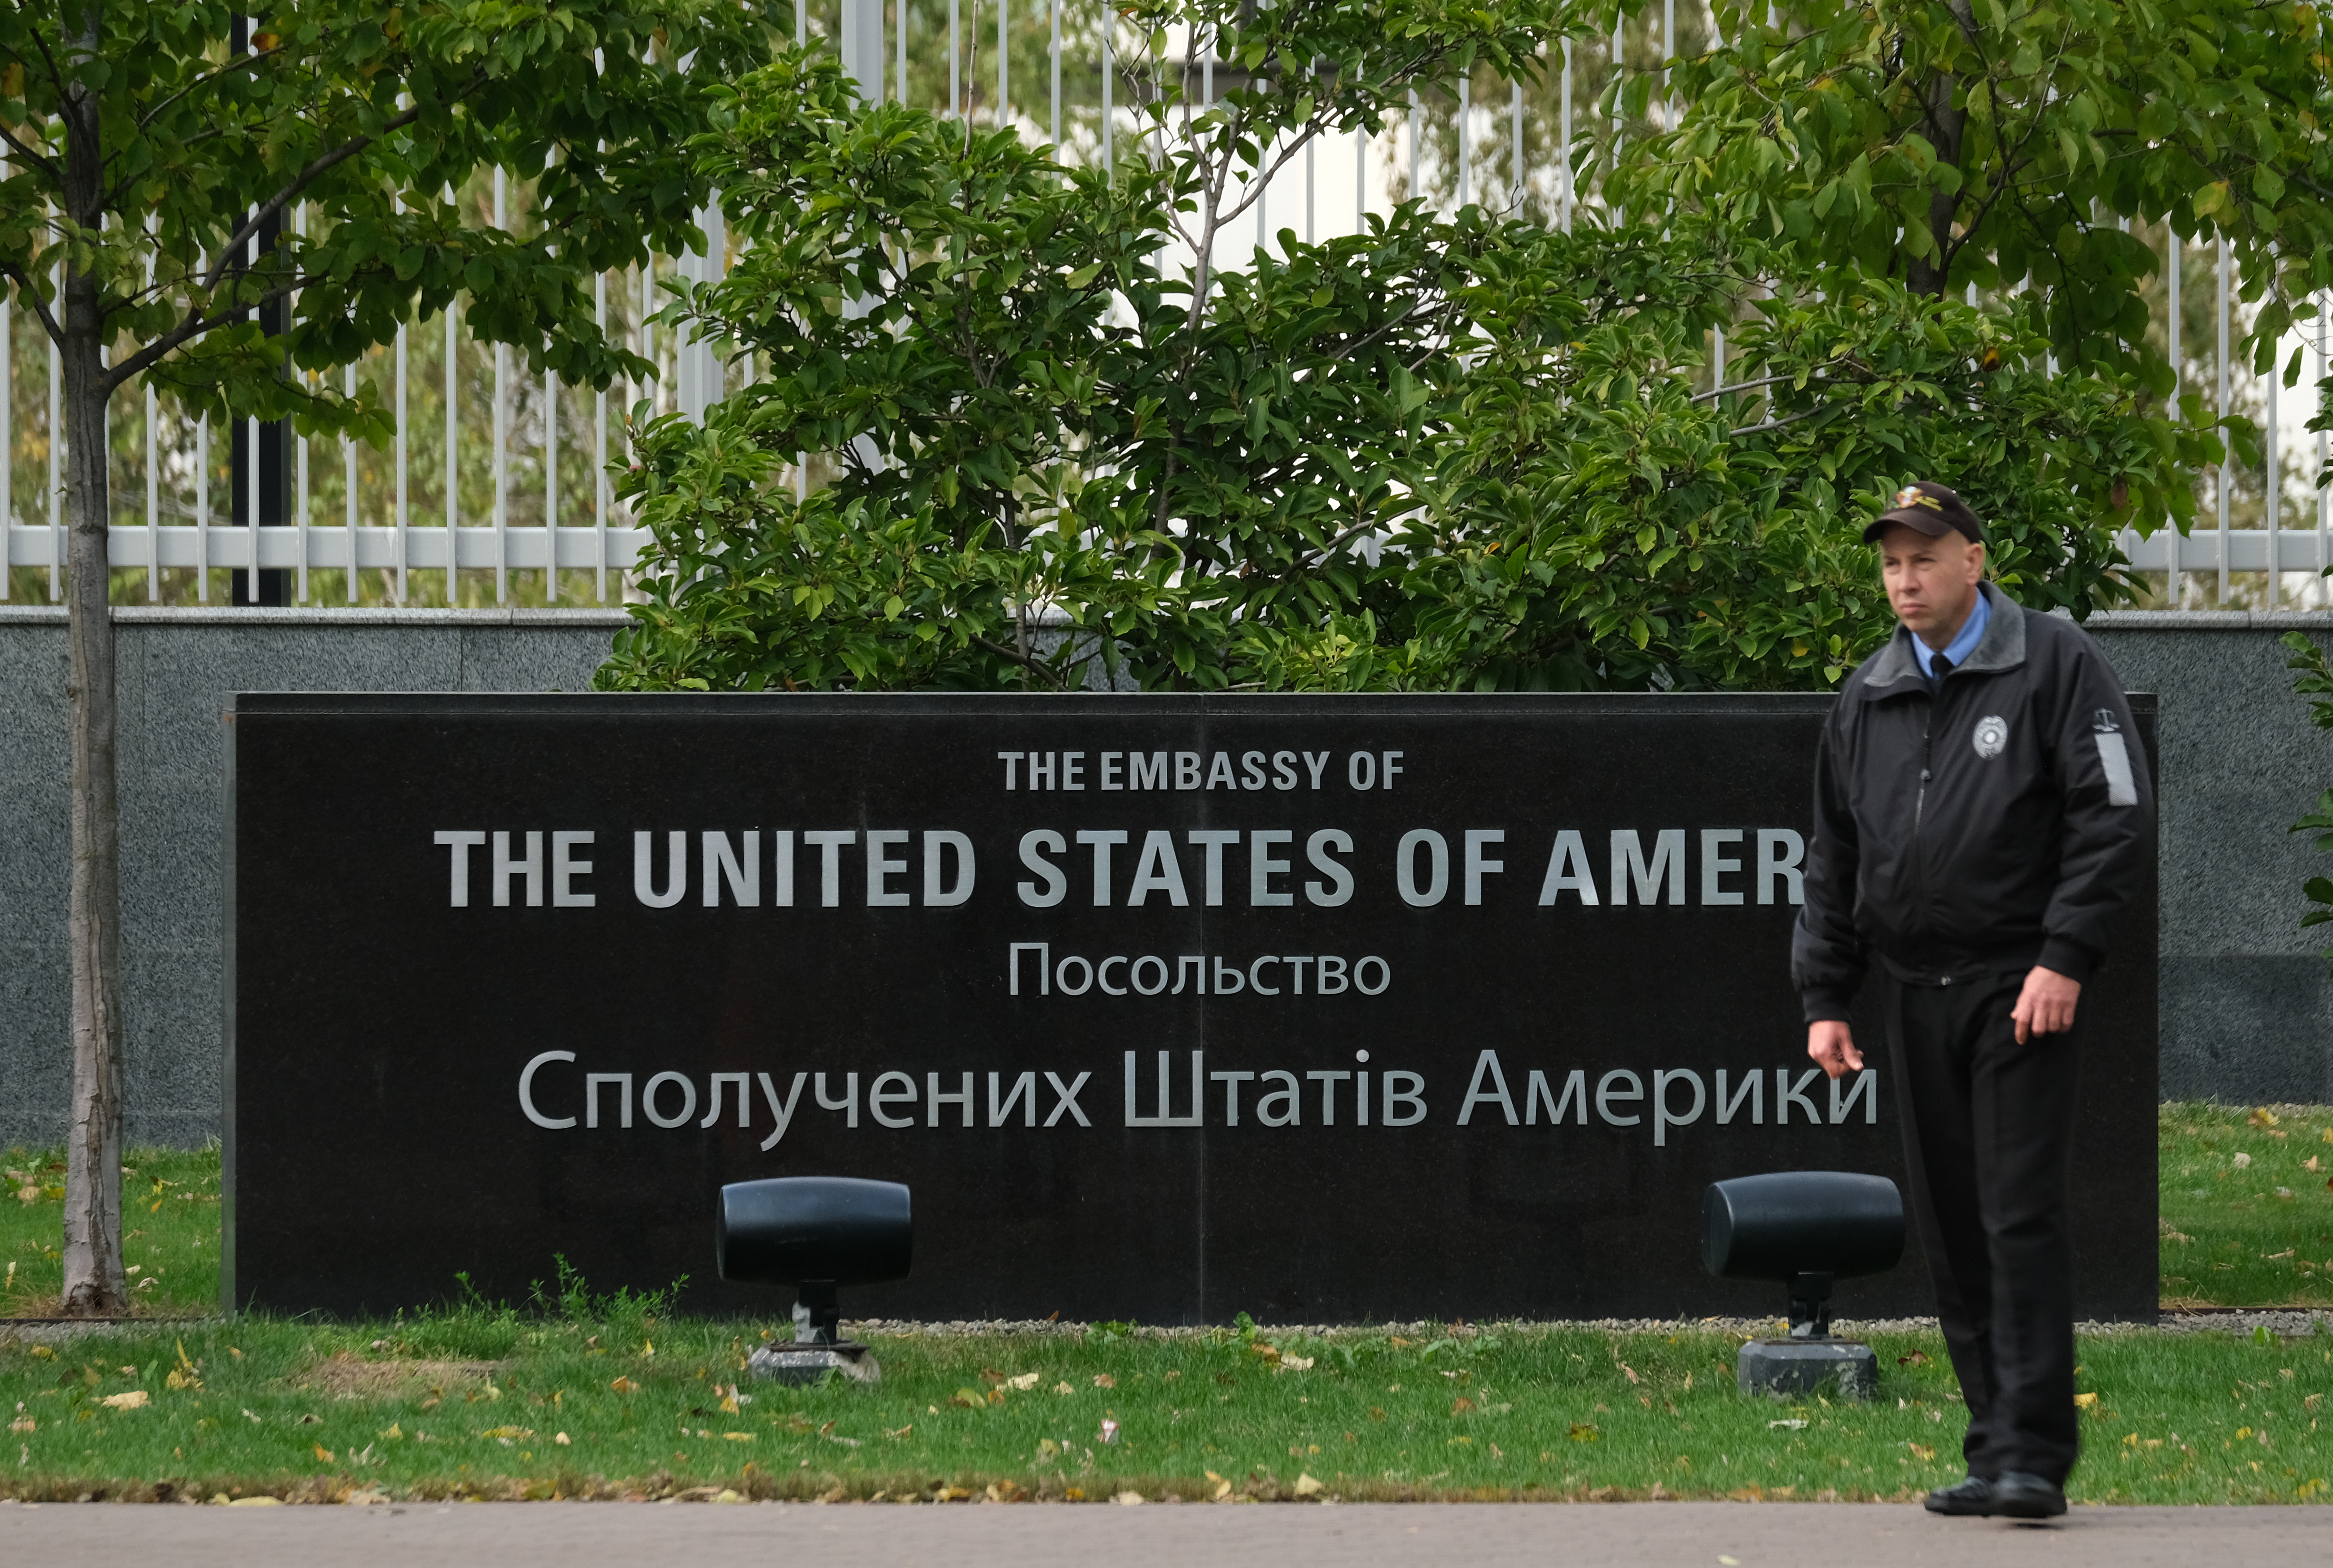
2046,1005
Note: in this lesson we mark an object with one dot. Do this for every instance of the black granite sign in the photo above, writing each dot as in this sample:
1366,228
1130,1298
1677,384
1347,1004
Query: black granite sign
1322,1008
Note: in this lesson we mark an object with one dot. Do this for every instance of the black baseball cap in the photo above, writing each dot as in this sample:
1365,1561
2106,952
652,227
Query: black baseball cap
1930,509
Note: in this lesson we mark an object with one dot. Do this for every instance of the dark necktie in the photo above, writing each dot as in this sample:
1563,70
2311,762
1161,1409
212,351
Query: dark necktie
1941,666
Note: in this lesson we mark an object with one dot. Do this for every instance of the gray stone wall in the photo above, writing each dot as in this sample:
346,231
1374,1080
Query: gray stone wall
2247,1006
179,672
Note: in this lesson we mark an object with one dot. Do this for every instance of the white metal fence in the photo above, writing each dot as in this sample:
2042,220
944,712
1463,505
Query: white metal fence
516,482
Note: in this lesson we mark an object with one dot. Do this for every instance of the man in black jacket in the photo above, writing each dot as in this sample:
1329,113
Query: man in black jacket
1981,807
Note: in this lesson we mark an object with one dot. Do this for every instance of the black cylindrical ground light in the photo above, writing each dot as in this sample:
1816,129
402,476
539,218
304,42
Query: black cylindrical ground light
789,1229
1788,1223
818,1233
1803,1229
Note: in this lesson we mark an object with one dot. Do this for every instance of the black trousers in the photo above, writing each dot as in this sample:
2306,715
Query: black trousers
1988,1131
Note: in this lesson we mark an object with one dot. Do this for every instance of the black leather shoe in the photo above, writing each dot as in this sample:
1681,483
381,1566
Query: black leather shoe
2019,1495
1973,1497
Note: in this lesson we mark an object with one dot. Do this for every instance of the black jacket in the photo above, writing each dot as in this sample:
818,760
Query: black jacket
1972,827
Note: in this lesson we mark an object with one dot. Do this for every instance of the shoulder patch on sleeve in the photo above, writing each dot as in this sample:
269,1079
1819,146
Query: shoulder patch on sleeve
2122,790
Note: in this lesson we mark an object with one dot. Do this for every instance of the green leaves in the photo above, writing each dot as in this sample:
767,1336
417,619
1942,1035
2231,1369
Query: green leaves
1441,454
357,124
2011,147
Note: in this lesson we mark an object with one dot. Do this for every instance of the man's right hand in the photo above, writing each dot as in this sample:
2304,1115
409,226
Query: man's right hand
1832,1046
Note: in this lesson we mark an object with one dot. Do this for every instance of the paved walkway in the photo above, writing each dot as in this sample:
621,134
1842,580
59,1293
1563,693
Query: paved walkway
1382,1535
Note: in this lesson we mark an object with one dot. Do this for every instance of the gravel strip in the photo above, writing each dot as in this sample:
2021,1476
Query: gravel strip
2286,1323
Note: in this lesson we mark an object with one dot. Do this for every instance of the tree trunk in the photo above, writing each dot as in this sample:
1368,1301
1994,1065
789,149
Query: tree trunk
1947,129
1929,274
93,1280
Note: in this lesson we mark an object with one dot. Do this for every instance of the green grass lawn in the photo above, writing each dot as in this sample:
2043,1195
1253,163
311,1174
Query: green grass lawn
475,1401
2247,1206
494,1404
170,1239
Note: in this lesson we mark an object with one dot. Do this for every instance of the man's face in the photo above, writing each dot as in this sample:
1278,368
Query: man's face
1931,579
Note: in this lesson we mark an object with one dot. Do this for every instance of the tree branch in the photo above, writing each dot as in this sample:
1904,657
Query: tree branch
1319,557
1257,186
240,62
194,326
8,135
1355,347
26,291
1778,423
1732,387
322,165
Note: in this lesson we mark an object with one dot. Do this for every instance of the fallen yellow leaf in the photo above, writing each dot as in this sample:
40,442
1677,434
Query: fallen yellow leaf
136,1399
324,1453
1306,1486
2086,1401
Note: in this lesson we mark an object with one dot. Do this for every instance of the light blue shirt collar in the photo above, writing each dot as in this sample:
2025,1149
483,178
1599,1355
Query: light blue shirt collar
1971,631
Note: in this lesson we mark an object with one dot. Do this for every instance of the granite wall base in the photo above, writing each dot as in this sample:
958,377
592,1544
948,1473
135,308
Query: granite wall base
2246,1001
179,669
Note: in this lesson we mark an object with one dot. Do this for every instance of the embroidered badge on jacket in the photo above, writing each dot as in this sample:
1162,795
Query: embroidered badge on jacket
1992,735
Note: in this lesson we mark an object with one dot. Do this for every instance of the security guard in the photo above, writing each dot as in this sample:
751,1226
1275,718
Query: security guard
1981,809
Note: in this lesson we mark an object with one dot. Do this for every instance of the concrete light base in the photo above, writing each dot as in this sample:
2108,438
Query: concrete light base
800,1364
1788,1369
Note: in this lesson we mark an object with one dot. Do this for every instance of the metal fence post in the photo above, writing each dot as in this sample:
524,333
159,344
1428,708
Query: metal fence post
2175,578
501,437
2220,356
153,458
8,429
2317,338
1570,176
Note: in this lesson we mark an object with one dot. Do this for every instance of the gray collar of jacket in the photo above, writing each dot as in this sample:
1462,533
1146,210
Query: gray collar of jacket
2002,647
